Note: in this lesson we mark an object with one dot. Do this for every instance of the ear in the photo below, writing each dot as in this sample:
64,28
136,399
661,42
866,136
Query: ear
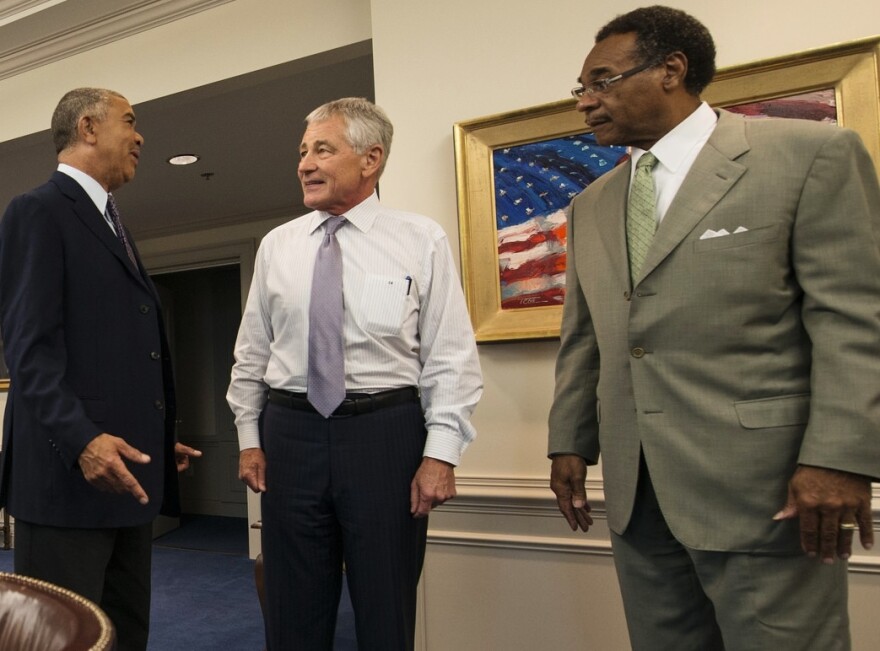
85,129
676,67
372,160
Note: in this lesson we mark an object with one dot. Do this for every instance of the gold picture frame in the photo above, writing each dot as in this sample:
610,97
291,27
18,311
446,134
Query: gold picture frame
851,70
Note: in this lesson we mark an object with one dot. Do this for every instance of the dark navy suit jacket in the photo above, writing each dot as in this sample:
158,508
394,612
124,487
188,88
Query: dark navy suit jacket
87,353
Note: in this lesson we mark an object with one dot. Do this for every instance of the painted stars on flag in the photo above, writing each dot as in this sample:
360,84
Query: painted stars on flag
534,184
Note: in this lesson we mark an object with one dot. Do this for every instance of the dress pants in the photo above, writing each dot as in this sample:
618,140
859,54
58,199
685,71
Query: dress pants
338,489
682,599
110,567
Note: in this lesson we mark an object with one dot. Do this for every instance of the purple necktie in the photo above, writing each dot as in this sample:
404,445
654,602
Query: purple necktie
326,359
113,213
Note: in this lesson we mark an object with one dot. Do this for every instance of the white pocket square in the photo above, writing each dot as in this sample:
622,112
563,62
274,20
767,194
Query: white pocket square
721,232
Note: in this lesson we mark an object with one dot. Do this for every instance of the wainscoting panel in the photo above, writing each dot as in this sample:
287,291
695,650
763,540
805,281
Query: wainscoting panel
504,572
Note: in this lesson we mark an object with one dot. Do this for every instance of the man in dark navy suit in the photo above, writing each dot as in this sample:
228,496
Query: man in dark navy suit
89,453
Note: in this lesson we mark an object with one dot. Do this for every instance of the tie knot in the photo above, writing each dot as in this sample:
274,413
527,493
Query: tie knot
648,160
333,224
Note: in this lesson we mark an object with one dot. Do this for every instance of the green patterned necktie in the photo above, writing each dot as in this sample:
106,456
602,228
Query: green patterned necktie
640,219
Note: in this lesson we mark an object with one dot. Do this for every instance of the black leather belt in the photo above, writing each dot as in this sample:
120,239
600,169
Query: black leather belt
354,403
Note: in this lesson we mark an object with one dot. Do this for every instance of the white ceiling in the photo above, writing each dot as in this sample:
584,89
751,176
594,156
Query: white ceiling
246,129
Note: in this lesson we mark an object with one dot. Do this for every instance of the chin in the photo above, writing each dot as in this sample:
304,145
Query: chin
604,139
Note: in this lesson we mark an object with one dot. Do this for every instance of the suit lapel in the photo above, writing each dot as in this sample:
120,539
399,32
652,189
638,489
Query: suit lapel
84,208
713,173
611,219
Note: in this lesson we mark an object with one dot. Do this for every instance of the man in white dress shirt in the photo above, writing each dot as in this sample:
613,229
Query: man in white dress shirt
356,485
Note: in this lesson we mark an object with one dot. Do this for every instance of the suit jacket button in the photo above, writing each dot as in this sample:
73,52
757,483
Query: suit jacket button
145,309
638,352
155,355
159,405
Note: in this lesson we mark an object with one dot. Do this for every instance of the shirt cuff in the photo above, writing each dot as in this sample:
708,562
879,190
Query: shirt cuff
248,438
445,446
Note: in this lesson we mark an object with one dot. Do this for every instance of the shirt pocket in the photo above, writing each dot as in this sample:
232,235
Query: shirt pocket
383,303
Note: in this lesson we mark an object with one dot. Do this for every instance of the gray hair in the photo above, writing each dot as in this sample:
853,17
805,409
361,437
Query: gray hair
75,104
366,124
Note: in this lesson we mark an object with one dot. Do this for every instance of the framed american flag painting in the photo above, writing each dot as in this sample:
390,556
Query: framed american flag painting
517,172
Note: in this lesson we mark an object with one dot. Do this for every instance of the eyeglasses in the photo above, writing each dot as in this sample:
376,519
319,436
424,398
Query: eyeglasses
601,85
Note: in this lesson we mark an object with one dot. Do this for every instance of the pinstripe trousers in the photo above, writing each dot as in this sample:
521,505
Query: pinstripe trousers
338,489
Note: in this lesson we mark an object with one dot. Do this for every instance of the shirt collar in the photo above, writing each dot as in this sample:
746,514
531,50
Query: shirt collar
96,192
674,148
362,216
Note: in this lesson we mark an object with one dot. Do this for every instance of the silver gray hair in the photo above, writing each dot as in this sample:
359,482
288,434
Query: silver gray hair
366,124
76,103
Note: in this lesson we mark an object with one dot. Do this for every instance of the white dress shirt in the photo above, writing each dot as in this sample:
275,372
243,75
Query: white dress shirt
95,190
406,323
676,153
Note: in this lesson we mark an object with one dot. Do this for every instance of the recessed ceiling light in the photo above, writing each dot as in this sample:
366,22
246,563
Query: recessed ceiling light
183,159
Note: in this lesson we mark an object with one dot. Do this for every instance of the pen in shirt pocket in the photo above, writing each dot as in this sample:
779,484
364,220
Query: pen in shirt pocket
408,280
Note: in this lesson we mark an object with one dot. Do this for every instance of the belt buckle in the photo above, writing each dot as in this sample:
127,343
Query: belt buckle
346,409
363,405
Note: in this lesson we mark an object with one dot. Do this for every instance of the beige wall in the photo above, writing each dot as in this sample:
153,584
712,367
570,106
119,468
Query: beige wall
502,571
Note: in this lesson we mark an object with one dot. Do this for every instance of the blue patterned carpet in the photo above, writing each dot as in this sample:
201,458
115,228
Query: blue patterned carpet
204,595
208,533
204,600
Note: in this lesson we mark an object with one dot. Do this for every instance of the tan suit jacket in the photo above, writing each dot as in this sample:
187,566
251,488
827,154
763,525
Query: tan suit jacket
734,358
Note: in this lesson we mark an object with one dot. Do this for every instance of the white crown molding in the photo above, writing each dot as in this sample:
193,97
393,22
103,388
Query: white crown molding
489,512
858,564
75,26
11,9
520,542
522,495
515,496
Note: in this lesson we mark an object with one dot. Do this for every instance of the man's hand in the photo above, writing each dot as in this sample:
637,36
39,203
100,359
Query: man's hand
103,465
568,473
433,484
828,502
182,453
252,469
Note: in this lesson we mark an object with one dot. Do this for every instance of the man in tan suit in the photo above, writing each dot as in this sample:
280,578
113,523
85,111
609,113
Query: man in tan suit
729,367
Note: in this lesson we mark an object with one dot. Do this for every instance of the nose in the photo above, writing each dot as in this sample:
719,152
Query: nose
305,163
586,102
139,139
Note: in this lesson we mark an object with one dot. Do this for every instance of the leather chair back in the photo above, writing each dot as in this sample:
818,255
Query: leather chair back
40,616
